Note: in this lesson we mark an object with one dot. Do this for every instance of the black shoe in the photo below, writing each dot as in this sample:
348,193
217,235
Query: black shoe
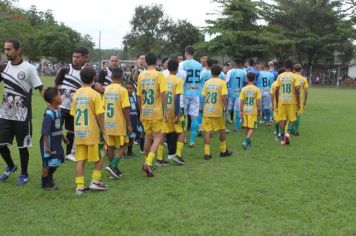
130,154
115,172
296,133
159,163
225,154
207,157
200,133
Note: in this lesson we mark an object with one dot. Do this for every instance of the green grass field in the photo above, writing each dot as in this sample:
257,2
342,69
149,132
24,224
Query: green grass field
307,188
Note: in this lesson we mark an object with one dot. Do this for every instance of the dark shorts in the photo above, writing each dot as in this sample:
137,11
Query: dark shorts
21,130
53,160
68,120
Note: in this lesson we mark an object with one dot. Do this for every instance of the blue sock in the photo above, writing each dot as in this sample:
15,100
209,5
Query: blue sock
194,129
200,118
268,117
237,120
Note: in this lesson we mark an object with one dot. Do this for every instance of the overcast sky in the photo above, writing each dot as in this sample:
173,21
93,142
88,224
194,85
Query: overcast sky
112,17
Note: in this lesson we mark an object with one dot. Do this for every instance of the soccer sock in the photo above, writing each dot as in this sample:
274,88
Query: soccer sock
194,129
263,114
268,117
276,127
297,124
200,119
172,144
142,143
96,176
232,115
206,149
51,170
160,153
70,137
248,140
6,155
237,121
115,162
180,146
24,156
150,158
79,181
129,149
223,146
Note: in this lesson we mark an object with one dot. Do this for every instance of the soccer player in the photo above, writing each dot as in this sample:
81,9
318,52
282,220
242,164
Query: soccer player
172,128
88,111
19,78
116,120
235,78
303,83
264,82
275,112
192,70
250,108
287,99
139,68
215,94
51,139
272,70
106,73
251,68
68,81
164,63
151,93
203,61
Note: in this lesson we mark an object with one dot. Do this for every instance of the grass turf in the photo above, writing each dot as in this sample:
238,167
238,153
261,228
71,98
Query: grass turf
307,188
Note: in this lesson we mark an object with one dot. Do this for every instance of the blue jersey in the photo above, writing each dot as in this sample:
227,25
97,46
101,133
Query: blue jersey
275,74
254,70
236,79
192,69
265,80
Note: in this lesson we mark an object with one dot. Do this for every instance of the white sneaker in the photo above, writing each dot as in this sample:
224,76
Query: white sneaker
71,157
171,157
227,130
98,186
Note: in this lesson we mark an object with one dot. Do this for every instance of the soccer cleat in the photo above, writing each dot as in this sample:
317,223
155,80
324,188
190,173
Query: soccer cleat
171,157
275,136
142,151
160,163
130,154
191,145
229,122
245,145
98,186
8,171
207,157
200,133
296,133
236,130
23,179
80,191
70,157
227,131
148,169
225,154
179,160
114,171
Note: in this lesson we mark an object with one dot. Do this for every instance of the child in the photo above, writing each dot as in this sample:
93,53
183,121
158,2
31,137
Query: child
215,101
116,120
51,140
250,108
88,112
151,93
134,118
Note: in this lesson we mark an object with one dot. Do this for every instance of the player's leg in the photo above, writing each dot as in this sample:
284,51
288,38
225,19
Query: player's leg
81,157
207,128
160,160
6,137
224,152
94,156
194,113
23,134
180,145
297,125
237,114
268,105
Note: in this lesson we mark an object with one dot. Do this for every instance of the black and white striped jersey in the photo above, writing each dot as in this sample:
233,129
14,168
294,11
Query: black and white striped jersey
19,81
105,77
68,81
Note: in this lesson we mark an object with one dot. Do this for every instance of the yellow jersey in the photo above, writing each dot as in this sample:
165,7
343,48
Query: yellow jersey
175,87
151,84
213,91
272,92
87,104
303,85
249,96
115,99
287,83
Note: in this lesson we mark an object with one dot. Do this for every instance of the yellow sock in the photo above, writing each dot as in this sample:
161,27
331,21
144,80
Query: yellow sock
180,146
160,153
207,149
223,146
79,181
150,158
96,176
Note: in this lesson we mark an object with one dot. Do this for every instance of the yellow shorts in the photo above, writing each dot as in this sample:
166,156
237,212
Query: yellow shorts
87,152
287,112
152,126
117,141
213,124
250,121
171,127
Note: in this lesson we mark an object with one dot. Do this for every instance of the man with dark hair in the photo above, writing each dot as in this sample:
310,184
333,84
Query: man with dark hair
191,69
104,78
20,78
68,81
140,67
251,68
203,60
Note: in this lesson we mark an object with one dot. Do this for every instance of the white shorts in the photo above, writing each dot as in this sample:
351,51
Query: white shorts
191,106
234,104
266,100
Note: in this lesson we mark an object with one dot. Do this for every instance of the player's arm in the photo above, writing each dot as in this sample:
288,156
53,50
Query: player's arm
98,86
46,144
100,120
126,111
225,101
241,106
60,76
164,101
259,107
297,96
306,93
276,94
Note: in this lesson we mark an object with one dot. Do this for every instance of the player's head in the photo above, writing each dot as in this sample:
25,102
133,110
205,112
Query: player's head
226,67
261,67
80,56
130,87
251,77
52,96
288,64
114,61
151,59
203,59
87,75
238,62
165,63
209,63
189,52
281,70
180,58
13,49
297,68
271,65
250,62
215,70
117,74
141,59
173,66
